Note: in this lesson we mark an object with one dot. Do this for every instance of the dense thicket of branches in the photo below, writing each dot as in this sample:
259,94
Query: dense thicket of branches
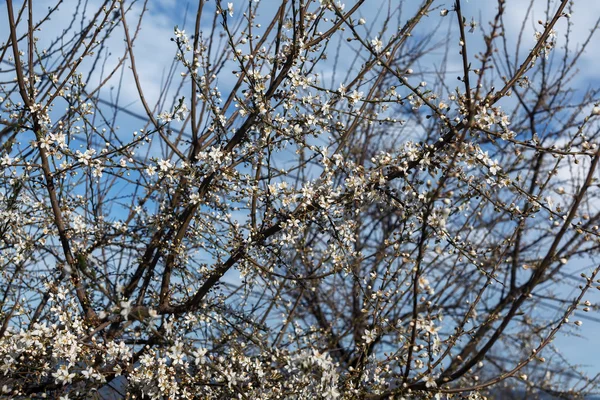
313,206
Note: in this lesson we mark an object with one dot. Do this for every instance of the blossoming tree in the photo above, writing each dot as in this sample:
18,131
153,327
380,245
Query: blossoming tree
316,204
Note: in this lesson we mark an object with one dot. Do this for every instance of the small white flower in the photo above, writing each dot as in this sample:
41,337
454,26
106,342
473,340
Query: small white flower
230,9
444,12
164,165
125,309
216,154
370,335
45,143
165,117
377,44
97,171
355,96
430,382
84,158
180,34
5,160
63,376
88,373
199,356
494,167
